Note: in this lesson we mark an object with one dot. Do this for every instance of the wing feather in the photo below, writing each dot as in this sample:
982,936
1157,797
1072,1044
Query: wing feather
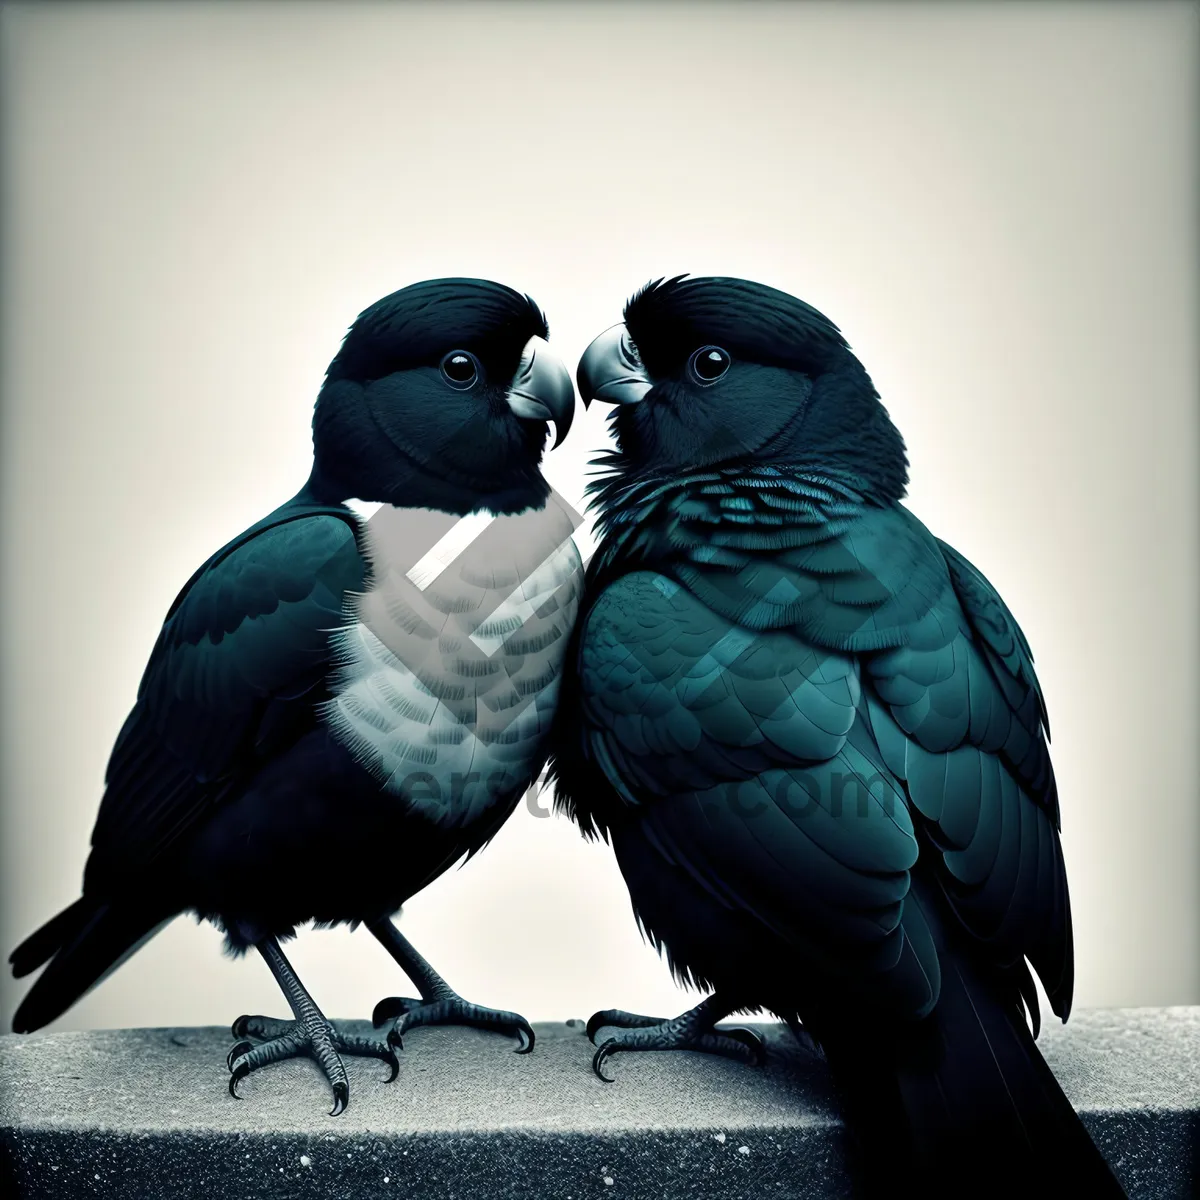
239,660
866,656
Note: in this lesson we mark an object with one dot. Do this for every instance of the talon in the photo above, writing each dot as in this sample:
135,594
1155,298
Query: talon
395,1040
341,1097
238,1074
598,1059
595,1023
236,1051
527,1036
238,1028
393,1062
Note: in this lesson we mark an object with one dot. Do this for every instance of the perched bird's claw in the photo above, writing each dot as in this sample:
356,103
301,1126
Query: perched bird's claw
237,1074
616,1018
237,1050
394,1063
601,1055
315,1037
450,1009
694,1030
238,1028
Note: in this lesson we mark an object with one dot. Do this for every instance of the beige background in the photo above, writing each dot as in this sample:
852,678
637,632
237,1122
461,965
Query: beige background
997,204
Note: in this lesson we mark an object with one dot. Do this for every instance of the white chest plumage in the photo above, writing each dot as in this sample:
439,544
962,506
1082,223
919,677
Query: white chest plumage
449,662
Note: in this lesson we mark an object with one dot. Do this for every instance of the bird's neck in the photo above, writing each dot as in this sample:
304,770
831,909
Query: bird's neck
720,516
419,487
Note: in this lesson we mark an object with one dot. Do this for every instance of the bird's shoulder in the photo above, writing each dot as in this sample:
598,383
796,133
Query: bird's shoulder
851,576
279,559
997,629
243,648
921,624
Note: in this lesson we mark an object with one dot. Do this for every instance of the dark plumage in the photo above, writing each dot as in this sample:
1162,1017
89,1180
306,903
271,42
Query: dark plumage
814,735
241,785
387,428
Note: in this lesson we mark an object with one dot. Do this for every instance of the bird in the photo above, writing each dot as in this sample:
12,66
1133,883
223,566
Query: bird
353,694
813,734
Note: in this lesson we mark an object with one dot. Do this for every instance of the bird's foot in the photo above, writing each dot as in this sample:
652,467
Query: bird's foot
316,1037
407,1013
686,1032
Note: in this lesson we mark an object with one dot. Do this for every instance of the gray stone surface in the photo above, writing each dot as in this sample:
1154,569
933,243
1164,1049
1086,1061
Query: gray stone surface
144,1114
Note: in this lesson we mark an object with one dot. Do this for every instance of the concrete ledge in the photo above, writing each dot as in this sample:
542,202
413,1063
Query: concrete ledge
144,1114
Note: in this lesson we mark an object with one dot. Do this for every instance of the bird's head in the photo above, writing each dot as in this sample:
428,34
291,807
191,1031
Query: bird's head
715,371
439,397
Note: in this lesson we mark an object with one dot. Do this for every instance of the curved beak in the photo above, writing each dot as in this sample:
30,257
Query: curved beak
541,389
610,370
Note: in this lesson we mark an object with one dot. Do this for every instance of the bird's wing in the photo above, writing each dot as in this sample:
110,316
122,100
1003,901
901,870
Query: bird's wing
232,677
952,701
959,717
949,716
739,754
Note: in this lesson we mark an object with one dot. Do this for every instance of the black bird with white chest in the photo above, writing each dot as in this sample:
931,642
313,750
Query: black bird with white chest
353,694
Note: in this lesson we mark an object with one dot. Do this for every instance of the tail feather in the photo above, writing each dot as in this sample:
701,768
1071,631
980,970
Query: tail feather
962,1103
42,945
83,944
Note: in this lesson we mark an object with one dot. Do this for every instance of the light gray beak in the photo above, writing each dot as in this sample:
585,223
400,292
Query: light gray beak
541,389
610,370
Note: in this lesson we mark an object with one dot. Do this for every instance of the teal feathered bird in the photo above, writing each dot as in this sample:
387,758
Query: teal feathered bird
814,735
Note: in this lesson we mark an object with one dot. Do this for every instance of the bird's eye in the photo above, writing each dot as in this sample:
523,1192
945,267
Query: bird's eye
460,369
709,363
